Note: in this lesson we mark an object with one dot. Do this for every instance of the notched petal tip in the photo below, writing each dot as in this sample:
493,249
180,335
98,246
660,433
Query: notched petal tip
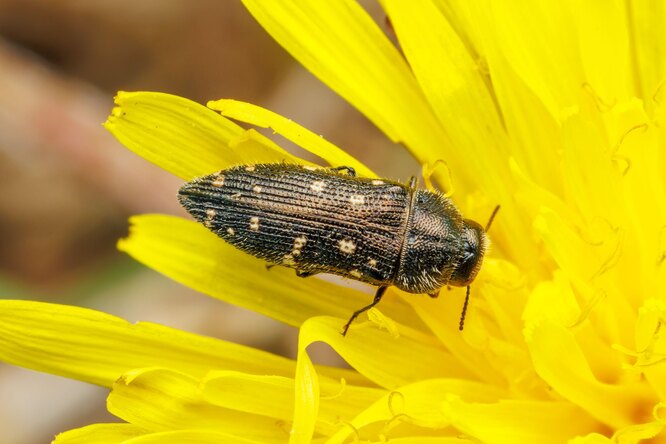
116,112
184,137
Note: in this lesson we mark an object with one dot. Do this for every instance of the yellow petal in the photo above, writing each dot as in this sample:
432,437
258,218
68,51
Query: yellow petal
306,399
639,433
592,438
380,356
528,122
100,434
605,56
559,361
161,400
591,180
532,197
317,145
429,440
533,56
413,405
475,353
641,147
190,254
96,347
184,137
195,437
536,39
552,300
340,44
651,344
517,421
274,396
456,90
499,281
258,394
556,302
646,23
581,258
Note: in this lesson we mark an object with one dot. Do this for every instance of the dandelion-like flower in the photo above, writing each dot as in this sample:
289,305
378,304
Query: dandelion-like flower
555,110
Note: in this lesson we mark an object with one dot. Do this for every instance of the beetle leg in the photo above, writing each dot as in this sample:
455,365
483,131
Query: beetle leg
434,294
350,171
269,266
492,216
412,183
378,297
304,274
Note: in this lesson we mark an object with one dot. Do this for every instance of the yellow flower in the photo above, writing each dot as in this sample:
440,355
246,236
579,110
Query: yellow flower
555,110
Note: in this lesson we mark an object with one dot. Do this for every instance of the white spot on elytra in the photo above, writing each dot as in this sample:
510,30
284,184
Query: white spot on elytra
249,168
309,168
356,199
254,223
357,274
318,186
347,246
219,181
231,231
372,262
256,189
210,215
299,243
288,259
378,182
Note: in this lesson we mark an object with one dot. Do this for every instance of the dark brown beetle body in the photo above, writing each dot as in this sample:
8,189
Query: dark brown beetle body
323,220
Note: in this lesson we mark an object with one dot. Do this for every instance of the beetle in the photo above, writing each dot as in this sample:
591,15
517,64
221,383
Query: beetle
328,220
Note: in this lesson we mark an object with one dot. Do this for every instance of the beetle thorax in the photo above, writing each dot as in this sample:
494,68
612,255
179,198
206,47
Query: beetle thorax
433,244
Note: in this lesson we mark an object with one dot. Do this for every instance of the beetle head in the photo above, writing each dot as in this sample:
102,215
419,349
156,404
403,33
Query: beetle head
475,244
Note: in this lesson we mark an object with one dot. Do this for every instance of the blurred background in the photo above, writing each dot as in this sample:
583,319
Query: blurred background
67,186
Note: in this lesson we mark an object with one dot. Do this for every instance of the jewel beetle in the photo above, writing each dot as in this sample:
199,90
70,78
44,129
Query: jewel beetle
327,220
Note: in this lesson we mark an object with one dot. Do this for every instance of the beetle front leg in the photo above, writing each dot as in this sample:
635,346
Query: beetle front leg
412,183
304,274
350,171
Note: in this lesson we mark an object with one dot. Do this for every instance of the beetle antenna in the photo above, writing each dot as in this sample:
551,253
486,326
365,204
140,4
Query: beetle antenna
492,217
464,311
